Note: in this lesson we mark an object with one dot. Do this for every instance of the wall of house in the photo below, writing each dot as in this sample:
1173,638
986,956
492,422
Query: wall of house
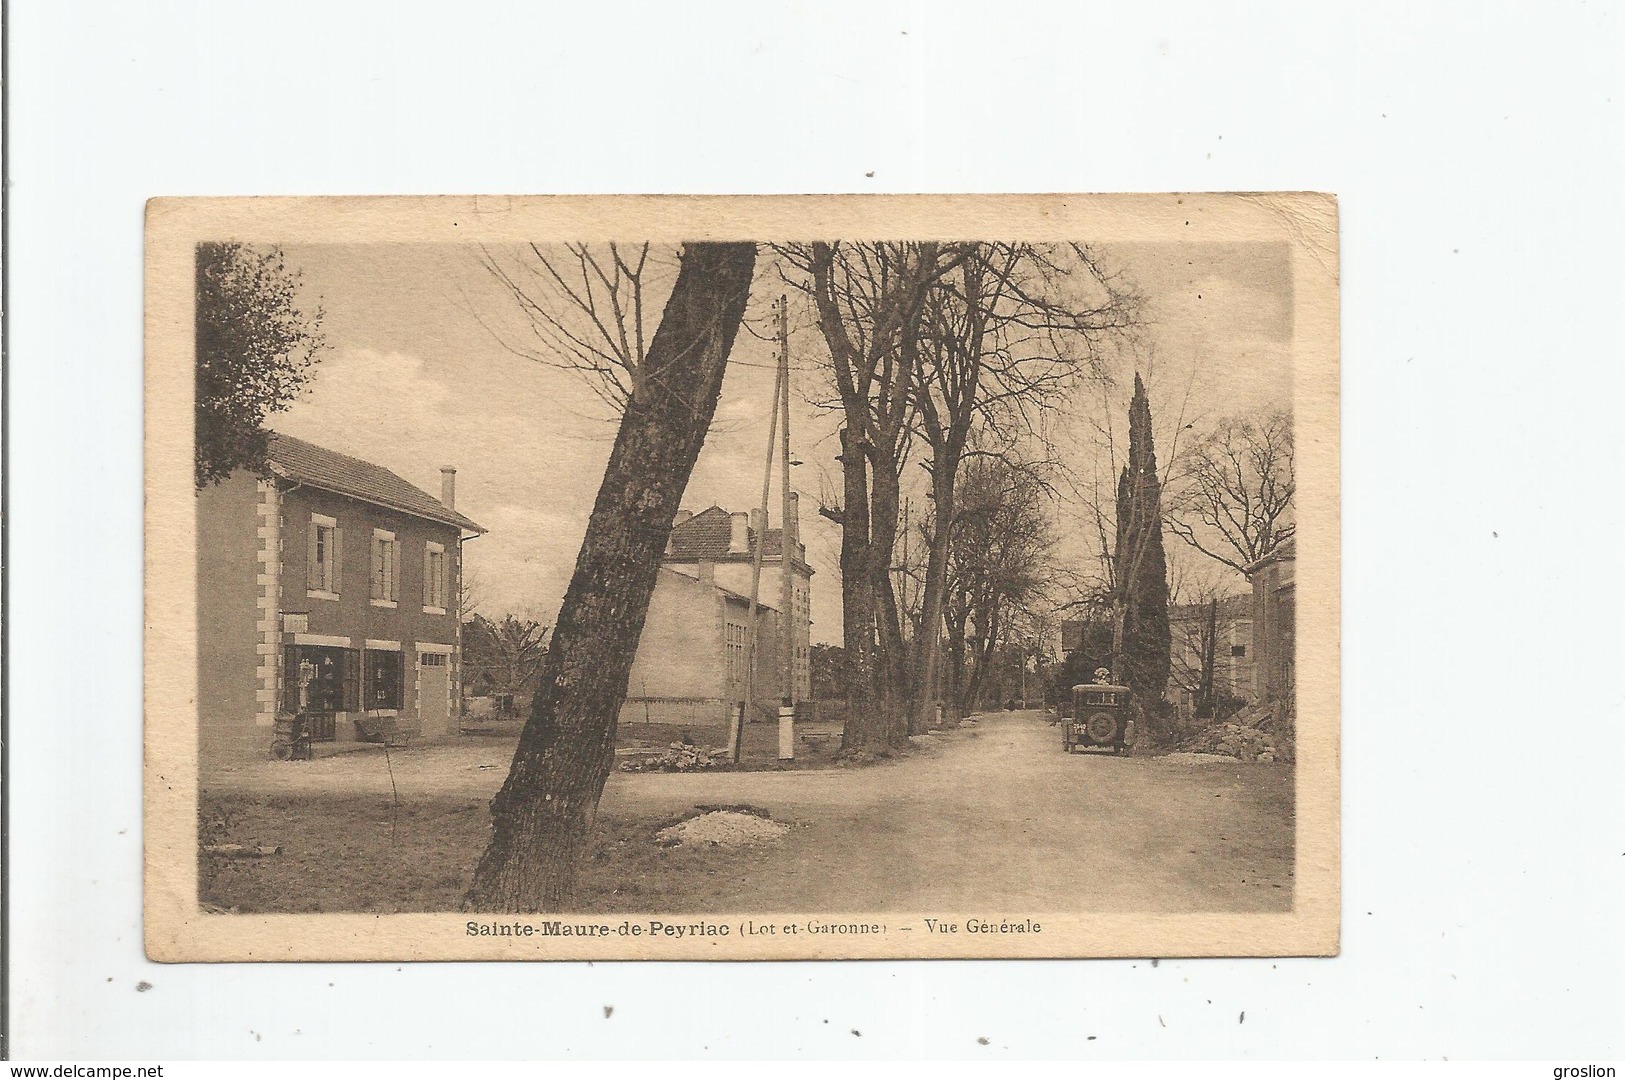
228,611
679,672
765,689
1232,673
1274,630
736,576
354,615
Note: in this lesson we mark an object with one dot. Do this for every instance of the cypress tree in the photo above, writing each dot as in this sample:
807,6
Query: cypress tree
1140,564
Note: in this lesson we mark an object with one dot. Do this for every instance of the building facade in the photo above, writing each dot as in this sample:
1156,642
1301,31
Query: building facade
1233,667
1274,582
691,663
329,587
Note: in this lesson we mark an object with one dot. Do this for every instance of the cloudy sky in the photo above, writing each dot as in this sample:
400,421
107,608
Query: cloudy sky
419,376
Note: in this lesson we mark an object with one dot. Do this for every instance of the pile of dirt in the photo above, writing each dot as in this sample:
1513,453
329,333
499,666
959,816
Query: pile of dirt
679,757
723,828
1187,757
1258,733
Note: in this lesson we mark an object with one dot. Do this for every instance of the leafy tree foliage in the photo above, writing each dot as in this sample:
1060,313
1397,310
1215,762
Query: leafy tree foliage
1142,565
255,351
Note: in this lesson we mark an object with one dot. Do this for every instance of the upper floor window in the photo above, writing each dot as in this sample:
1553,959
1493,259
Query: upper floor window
323,557
435,580
386,568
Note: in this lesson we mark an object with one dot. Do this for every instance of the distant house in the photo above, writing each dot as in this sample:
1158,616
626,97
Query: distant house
690,663
1232,651
334,571
1274,624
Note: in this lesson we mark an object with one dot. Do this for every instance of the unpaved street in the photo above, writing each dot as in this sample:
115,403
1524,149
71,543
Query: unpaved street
999,816
991,816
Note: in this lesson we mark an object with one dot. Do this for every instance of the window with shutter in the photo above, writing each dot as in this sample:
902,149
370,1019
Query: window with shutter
322,558
313,558
434,578
385,568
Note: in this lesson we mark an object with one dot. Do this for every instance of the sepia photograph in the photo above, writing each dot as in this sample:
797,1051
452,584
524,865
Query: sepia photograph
742,578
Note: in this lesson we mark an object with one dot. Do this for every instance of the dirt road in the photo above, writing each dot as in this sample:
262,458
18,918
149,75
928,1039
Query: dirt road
991,816
998,815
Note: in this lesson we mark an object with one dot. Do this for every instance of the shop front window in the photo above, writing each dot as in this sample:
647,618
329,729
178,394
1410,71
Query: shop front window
384,679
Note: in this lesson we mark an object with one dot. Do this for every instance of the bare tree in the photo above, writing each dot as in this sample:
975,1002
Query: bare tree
868,299
1000,571
585,309
929,343
1233,499
470,592
1195,594
509,651
542,814
1006,335
468,597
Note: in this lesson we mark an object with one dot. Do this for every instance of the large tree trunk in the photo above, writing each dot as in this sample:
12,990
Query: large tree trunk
936,583
987,641
956,668
891,665
541,817
867,725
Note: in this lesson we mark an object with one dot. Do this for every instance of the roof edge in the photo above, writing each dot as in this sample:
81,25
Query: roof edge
456,520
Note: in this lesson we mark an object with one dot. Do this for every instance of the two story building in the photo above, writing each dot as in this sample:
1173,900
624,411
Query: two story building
329,586
691,661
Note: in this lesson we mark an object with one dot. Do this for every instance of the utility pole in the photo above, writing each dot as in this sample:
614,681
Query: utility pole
756,563
787,628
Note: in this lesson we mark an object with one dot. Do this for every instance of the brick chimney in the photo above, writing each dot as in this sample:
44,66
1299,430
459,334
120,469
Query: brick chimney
738,533
794,524
448,487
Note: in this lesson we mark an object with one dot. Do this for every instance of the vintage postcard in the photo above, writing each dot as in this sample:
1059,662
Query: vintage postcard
741,578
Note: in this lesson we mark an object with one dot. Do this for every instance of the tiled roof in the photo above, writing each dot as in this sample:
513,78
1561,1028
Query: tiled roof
346,475
706,536
703,536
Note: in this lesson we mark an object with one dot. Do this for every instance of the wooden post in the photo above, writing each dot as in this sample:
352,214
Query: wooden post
787,628
736,731
787,732
786,540
761,541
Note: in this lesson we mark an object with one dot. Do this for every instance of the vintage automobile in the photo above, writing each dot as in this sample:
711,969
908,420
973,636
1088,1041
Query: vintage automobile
1099,716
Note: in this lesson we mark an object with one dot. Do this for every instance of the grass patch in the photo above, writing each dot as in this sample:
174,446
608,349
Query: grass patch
339,856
